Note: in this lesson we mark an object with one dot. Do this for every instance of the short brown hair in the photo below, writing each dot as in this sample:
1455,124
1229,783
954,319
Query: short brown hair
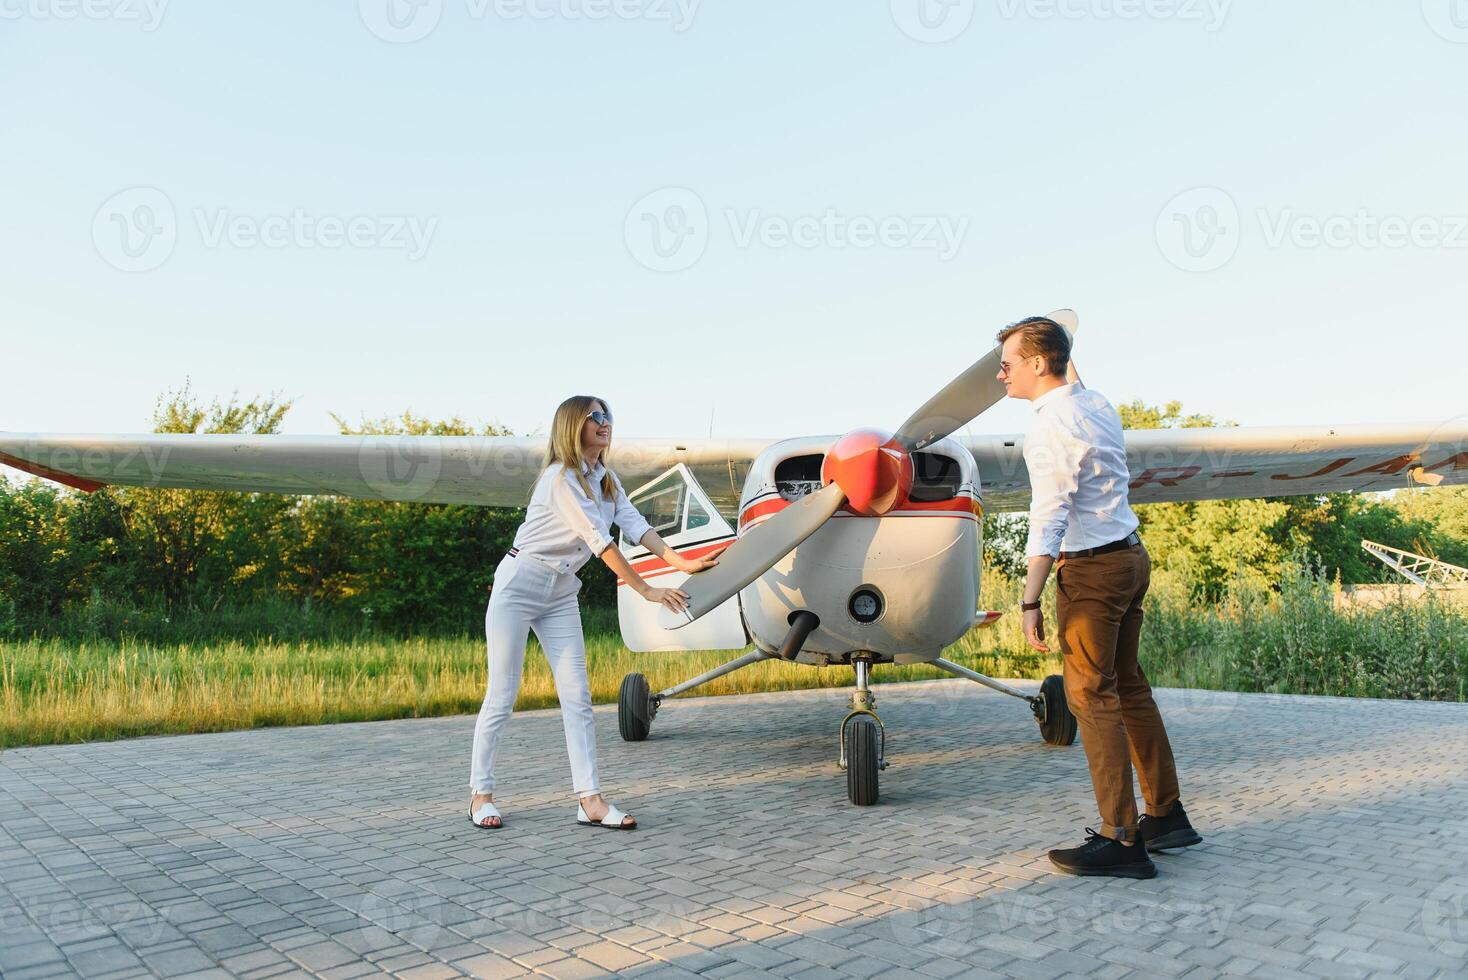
1040,335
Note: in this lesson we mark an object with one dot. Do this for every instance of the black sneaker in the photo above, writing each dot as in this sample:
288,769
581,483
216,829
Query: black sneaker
1104,856
1173,830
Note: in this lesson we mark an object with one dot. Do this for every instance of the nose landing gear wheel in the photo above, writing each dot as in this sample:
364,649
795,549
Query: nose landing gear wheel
1057,724
863,756
635,708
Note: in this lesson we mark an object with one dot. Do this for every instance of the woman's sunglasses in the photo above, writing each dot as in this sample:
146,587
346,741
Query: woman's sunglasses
600,418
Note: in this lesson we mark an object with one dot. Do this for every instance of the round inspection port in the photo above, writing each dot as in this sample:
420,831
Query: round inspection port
866,605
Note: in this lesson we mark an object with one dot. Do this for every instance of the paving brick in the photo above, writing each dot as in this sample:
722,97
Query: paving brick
339,851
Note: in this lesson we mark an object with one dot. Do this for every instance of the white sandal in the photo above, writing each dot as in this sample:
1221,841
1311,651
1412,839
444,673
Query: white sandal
483,813
612,821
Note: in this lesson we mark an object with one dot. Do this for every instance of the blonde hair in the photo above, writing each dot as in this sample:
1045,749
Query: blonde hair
565,442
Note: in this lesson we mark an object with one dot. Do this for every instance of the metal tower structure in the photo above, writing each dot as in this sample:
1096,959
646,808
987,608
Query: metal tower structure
1417,568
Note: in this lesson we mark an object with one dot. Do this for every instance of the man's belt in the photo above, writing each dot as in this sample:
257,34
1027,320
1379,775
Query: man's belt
1130,541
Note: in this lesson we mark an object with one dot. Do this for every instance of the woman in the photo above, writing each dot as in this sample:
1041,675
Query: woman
568,521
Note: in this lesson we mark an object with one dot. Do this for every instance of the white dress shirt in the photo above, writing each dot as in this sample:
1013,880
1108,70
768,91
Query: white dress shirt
564,527
1078,473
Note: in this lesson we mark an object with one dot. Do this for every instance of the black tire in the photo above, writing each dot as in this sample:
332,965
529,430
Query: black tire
862,743
1059,725
634,708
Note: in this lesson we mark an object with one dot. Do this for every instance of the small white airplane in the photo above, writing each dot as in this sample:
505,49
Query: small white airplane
857,550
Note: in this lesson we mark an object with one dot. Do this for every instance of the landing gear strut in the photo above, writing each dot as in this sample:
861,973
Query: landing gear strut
1057,724
636,707
863,739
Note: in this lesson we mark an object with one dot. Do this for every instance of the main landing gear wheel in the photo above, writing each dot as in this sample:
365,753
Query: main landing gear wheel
635,708
863,757
1057,724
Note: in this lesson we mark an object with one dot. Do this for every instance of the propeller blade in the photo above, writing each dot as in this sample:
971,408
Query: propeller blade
969,395
1071,321
961,400
753,554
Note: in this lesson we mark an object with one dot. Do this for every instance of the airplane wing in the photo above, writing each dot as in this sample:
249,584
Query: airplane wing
1226,463
499,471
492,471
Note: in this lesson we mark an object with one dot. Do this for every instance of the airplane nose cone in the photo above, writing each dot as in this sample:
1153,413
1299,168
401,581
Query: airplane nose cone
871,468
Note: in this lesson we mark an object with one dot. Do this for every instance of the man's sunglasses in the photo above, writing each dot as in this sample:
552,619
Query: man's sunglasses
600,418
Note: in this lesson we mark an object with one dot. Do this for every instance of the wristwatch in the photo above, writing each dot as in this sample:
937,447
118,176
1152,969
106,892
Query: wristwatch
1027,606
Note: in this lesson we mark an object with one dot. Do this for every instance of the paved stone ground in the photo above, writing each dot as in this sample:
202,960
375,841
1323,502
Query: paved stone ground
1336,846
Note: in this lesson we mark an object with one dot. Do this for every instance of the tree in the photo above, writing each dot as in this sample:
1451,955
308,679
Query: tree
405,565
186,543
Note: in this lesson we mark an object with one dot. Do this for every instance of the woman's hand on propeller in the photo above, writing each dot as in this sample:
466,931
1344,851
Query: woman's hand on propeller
675,600
695,565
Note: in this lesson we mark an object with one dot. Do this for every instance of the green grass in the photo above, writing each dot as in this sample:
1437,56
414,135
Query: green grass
1290,639
55,690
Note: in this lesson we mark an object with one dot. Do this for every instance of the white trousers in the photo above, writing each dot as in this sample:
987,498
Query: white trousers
529,595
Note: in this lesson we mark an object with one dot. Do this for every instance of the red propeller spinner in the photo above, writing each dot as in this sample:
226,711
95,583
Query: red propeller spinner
872,468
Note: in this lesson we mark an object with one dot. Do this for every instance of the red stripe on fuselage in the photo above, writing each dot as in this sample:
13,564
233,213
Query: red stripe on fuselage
960,506
653,566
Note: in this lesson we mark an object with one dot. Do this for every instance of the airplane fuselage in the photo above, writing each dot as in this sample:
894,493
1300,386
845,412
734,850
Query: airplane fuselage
896,588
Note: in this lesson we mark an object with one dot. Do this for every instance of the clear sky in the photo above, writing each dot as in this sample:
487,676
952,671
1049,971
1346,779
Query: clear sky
791,218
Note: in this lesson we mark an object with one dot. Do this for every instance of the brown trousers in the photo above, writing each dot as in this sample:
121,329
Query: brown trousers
1099,621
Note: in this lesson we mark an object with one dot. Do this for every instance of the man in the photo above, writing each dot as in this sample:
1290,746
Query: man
1079,513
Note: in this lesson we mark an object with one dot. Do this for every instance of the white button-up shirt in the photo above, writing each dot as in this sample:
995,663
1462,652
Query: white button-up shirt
564,527
1078,473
